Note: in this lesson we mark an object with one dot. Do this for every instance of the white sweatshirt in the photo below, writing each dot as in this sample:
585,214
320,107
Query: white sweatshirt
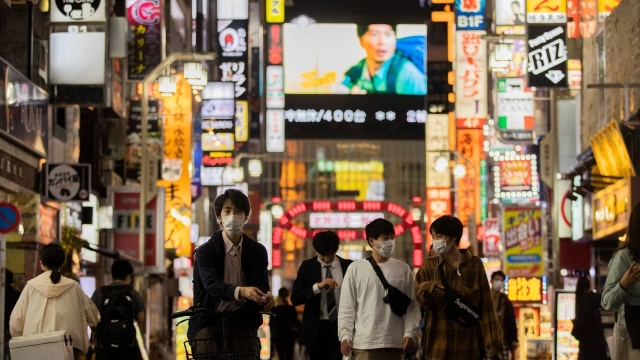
363,316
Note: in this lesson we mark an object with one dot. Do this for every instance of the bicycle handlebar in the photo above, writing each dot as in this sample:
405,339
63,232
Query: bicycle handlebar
196,310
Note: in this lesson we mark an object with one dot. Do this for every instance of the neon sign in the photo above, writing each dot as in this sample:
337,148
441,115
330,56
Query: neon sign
407,224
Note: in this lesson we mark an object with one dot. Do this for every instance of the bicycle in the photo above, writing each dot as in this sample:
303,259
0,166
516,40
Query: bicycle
224,347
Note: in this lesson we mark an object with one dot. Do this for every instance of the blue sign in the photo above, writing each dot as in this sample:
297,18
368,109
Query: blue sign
196,183
470,14
9,218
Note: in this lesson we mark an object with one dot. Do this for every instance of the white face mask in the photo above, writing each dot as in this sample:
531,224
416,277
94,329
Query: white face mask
441,247
498,285
232,224
386,248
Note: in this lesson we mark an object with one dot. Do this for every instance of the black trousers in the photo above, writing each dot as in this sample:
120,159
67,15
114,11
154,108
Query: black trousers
132,353
327,345
285,348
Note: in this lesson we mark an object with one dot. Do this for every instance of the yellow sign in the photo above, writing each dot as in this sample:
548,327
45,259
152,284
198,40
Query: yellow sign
523,241
524,289
175,168
611,153
275,11
611,209
546,11
242,121
605,7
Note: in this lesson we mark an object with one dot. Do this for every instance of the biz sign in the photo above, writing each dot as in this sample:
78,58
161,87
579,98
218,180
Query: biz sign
471,79
547,62
470,14
546,11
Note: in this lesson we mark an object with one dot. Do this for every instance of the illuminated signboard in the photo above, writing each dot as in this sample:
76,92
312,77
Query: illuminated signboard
515,105
611,153
547,51
546,11
275,11
342,220
470,15
328,91
516,176
438,204
437,139
491,239
407,225
605,7
510,12
522,228
527,289
582,22
470,145
471,79
515,67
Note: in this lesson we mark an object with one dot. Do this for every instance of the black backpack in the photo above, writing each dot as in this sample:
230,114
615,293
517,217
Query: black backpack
116,328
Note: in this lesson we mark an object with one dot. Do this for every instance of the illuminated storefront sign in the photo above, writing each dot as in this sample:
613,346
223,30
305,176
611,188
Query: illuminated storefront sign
515,67
611,209
605,7
275,131
352,220
575,74
515,105
264,235
527,289
522,228
546,11
582,21
275,11
491,240
437,135
469,144
470,15
516,176
611,153
547,51
145,33
175,169
438,204
286,222
471,79
242,121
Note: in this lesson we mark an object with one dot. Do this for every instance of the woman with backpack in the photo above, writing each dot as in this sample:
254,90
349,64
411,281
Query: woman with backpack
51,302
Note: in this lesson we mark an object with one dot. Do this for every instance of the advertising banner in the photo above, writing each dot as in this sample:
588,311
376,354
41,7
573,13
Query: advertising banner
515,175
471,79
175,168
470,14
546,11
515,105
145,50
437,135
275,131
470,145
510,12
438,203
522,228
605,7
65,11
547,64
582,20
133,149
66,183
566,346
126,226
491,242
515,67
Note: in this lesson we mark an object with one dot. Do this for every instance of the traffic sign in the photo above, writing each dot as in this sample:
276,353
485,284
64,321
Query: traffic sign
9,218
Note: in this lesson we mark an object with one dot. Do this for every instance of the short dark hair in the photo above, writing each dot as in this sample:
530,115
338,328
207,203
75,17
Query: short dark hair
120,269
236,197
52,256
447,225
283,293
8,276
379,227
498,273
363,28
326,242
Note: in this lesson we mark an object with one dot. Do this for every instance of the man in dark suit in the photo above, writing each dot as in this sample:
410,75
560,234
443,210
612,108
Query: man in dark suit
318,287
229,269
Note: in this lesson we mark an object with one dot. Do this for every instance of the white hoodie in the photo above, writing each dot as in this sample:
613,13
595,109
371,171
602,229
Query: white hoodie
44,307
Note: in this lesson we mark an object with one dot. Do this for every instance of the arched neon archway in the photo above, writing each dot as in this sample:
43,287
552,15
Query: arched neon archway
407,224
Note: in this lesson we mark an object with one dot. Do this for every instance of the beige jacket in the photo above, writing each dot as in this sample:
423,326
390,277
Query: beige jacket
45,307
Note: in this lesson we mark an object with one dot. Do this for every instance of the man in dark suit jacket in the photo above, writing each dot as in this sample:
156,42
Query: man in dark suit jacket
229,269
318,287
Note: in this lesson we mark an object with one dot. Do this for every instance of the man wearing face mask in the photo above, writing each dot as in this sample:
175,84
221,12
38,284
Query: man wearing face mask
447,339
229,270
317,286
506,315
368,328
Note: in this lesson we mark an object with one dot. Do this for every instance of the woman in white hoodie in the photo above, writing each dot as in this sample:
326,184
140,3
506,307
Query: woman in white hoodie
52,302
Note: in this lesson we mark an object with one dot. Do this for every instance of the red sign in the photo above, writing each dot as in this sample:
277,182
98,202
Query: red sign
145,37
274,44
491,238
126,225
438,204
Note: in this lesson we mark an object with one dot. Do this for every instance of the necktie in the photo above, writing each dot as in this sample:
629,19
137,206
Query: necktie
331,297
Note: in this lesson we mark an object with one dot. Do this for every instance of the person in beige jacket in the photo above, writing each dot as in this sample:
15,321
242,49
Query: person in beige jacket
52,302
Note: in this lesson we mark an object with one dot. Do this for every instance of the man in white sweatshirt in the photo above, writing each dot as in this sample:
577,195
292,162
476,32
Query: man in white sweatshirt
366,325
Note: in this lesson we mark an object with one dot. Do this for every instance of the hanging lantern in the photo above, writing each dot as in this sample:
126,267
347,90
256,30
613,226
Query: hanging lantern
503,51
192,71
200,82
167,85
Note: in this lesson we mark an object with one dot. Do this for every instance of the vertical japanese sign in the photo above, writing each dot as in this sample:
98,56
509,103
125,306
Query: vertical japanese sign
218,113
145,37
175,168
133,150
515,105
437,140
232,38
547,49
275,131
275,90
546,11
471,79
575,74
523,241
126,225
469,145
470,14
491,240
438,204
605,7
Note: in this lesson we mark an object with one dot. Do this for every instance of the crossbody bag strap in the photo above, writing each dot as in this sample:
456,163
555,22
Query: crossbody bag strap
443,277
376,268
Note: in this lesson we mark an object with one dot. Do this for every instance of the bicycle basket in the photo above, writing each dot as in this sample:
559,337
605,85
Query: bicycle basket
238,348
